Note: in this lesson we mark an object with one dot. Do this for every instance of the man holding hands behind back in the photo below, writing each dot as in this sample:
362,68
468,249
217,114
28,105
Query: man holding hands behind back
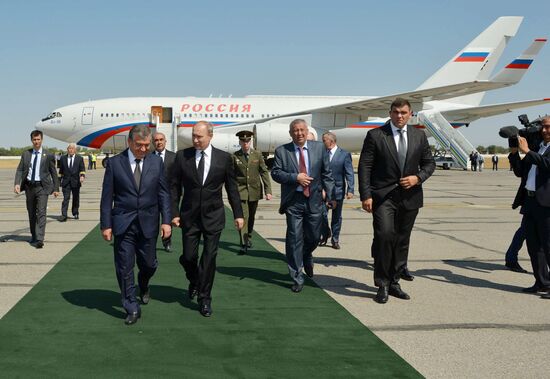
134,193
396,159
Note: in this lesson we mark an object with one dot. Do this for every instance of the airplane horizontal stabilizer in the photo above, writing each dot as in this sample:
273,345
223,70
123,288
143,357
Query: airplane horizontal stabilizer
514,71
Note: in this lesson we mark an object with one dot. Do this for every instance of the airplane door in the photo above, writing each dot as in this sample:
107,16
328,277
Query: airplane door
87,115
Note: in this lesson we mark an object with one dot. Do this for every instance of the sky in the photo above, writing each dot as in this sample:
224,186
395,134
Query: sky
56,53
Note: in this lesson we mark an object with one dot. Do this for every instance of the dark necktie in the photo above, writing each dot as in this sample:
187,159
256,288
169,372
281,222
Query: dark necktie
70,163
402,150
246,157
34,163
303,169
200,169
137,173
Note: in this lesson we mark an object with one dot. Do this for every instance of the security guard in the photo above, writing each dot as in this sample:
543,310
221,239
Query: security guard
251,173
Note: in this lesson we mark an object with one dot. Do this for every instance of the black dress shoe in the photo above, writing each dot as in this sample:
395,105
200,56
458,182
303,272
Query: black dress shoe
243,250
406,275
145,297
323,241
515,267
192,291
336,245
168,247
308,269
398,292
382,295
62,218
249,244
205,309
39,244
297,287
545,295
75,217
132,318
535,288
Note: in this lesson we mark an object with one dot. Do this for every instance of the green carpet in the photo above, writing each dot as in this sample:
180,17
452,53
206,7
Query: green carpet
71,324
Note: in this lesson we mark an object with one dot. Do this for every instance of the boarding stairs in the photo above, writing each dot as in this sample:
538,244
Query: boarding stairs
448,137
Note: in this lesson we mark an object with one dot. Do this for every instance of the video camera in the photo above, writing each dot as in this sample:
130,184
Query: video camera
530,131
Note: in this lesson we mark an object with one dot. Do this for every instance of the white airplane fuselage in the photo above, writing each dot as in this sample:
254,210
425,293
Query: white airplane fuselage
104,124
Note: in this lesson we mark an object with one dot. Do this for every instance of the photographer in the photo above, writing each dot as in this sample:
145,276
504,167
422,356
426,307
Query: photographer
534,197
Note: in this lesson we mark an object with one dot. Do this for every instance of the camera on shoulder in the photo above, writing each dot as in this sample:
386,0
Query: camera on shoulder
530,131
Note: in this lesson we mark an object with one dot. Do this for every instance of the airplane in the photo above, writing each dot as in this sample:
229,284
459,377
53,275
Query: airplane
447,100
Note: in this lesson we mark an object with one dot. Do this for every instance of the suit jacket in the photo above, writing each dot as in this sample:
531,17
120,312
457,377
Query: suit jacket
341,166
169,160
48,172
122,201
285,171
379,170
204,203
70,177
251,174
521,169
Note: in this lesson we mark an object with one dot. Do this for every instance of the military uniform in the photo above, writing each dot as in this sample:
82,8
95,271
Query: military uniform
251,173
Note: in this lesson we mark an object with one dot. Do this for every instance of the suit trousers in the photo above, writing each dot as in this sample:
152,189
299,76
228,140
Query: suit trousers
67,191
249,212
537,232
335,223
392,224
516,244
303,230
200,273
37,205
129,247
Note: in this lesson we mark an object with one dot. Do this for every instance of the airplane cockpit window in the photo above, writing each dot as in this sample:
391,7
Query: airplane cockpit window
52,115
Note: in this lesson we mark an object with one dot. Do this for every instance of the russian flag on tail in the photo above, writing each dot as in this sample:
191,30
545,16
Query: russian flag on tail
472,56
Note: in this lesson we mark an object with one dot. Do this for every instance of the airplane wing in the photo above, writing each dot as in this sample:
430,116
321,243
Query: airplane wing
474,113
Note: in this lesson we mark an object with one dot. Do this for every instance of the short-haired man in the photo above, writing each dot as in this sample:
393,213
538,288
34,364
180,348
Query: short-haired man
302,168
134,193
72,172
341,167
169,158
202,171
396,159
37,176
253,180
534,198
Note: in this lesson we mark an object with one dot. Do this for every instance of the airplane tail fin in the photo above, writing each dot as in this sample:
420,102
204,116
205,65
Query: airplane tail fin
514,71
477,60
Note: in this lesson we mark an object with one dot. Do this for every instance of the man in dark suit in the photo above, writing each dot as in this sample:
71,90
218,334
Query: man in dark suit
302,168
37,176
253,179
341,167
201,171
168,157
534,198
72,173
396,159
134,192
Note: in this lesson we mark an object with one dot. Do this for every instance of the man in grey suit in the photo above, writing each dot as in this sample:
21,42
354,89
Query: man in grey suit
37,176
342,171
396,159
169,158
302,168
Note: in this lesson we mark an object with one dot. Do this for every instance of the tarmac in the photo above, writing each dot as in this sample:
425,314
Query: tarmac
467,316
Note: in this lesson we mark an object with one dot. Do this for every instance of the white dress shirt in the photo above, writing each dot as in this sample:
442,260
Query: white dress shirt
161,154
132,160
306,159
531,183
395,131
207,158
332,152
38,160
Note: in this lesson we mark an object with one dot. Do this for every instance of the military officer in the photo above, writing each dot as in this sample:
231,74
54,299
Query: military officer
253,180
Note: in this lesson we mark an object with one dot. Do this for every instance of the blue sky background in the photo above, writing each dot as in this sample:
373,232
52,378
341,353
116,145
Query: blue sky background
55,53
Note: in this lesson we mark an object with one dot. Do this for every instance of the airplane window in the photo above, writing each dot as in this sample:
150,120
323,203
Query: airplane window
112,115
117,114
102,115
